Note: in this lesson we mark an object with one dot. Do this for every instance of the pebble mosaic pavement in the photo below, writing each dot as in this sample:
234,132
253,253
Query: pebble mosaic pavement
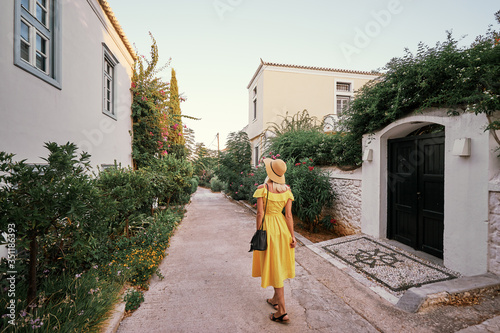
394,269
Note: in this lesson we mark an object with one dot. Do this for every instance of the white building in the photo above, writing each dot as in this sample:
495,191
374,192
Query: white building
66,69
278,89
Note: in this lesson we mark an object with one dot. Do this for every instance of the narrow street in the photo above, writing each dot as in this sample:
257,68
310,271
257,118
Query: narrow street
208,287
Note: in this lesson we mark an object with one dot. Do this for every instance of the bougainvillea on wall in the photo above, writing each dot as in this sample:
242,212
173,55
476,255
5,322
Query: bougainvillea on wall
150,114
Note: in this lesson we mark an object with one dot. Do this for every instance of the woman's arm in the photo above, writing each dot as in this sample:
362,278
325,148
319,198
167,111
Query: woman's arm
289,222
260,212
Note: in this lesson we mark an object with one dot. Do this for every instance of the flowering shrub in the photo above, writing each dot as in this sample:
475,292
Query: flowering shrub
141,254
311,189
133,299
149,110
328,222
246,184
156,113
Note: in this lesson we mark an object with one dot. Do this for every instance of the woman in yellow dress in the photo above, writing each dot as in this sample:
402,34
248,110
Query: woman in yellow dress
277,263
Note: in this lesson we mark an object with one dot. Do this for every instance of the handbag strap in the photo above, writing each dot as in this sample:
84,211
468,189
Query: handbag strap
263,219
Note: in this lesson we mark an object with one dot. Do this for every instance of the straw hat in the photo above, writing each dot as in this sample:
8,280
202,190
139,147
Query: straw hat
275,170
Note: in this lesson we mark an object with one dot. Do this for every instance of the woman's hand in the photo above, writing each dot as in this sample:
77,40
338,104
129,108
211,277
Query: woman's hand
293,244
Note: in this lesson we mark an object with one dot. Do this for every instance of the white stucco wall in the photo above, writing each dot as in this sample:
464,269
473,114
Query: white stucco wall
33,112
465,193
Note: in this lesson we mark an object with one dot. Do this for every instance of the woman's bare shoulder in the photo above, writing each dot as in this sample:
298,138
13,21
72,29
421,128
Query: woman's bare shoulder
261,186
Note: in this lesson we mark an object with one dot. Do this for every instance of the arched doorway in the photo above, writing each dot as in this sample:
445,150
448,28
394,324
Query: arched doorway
415,212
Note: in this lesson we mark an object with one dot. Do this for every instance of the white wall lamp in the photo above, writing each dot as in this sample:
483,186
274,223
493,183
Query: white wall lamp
461,147
368,155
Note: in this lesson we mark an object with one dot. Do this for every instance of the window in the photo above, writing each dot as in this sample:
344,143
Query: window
343,86
256,155
108,95
255,103
342,102
37,39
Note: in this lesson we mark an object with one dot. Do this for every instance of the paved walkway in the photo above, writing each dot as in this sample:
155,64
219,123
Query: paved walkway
208,287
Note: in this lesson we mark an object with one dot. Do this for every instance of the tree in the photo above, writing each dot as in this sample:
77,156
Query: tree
176,135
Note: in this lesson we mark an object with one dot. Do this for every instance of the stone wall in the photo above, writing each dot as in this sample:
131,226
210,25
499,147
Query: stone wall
494,233
346,209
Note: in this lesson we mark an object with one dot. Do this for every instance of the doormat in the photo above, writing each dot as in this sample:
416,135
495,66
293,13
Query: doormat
391,267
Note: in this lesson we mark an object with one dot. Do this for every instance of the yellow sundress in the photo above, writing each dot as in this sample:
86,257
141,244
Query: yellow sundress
277,263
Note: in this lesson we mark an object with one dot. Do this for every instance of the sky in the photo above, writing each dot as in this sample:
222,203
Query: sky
215,46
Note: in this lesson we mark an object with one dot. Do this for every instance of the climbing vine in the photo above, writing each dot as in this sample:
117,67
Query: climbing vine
149,110
461,79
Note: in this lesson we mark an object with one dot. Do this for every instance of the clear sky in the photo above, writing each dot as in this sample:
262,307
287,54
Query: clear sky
216,45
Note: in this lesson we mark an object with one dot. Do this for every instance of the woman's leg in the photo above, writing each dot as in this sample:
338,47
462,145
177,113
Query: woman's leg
274,300
279,297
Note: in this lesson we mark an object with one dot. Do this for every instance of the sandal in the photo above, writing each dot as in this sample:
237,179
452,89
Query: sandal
270,303
279,319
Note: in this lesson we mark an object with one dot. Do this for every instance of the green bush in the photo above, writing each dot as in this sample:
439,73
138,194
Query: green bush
141,254
132,191
72,250
205,163
171,179
206,177
216,185
59,216
312,191
133,299
194,185
235,165
299,144
66,302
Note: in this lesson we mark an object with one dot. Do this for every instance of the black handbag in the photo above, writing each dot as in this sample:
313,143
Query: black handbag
259,239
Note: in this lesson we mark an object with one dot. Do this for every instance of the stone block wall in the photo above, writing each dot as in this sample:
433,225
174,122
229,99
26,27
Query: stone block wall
494,233
346,209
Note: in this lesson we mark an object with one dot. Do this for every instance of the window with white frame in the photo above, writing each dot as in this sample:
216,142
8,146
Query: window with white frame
342,103
37,46
255,103
344,86
108,83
